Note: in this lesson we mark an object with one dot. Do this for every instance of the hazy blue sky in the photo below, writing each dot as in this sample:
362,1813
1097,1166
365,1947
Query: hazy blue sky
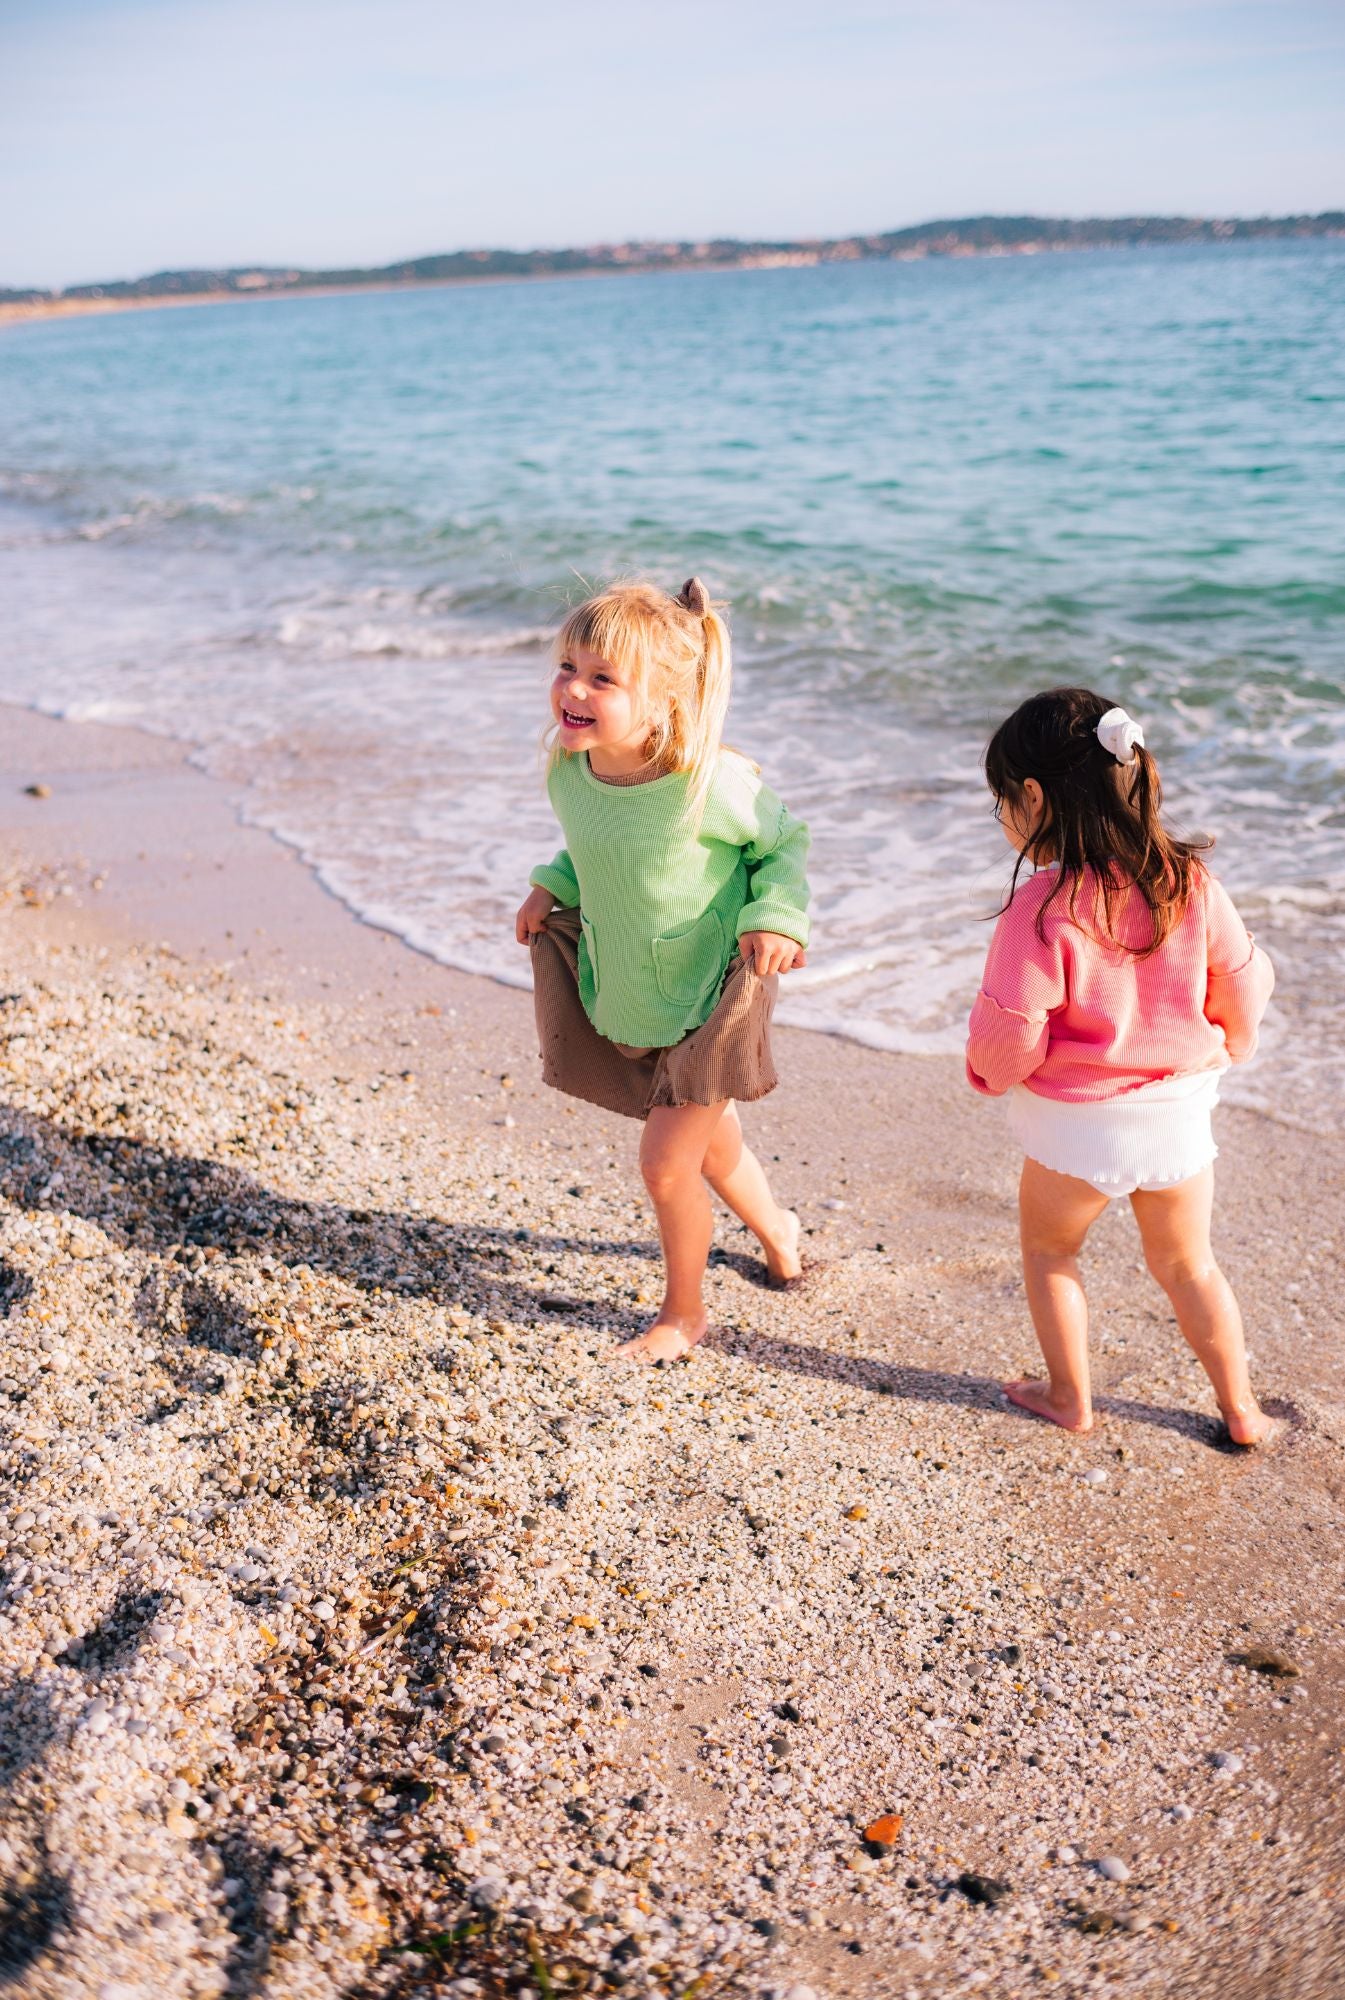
142,134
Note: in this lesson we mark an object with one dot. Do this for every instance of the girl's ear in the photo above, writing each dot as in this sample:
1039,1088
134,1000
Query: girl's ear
1034,798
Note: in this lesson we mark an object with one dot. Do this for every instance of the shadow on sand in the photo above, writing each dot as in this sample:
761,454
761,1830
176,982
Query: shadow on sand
172,1204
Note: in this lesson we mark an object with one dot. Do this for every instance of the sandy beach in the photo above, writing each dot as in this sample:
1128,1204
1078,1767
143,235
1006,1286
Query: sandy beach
364,1634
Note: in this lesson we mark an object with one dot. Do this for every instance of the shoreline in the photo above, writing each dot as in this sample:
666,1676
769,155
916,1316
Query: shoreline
21,312
359,1620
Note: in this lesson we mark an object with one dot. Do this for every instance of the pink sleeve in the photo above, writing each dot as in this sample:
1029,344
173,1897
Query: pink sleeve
1240,978
1024,981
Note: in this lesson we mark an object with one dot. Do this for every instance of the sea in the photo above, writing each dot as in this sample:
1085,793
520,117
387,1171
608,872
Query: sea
326,541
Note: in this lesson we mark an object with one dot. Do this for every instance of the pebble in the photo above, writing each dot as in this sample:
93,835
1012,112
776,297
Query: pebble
1113,1869
986,1889
1095,1476
1182,1812
487,1892
1227,1761
1265,1660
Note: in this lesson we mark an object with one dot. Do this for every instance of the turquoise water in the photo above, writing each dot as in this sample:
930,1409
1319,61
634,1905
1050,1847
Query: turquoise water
325,541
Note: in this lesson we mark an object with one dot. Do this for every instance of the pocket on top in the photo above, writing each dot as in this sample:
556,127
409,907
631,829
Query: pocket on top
689,961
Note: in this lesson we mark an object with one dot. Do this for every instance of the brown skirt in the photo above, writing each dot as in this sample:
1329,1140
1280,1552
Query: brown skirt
727,1056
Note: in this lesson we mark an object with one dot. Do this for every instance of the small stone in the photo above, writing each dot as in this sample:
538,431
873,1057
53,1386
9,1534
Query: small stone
494,1744
1182,1812
767,1928
1011,1654
1227,1761
581,1899
1265,1660
833,1204
38,791
1094,1477
984,1889
650,1672
1112,1869
858,1512
1097,1923
324,1610
487,1893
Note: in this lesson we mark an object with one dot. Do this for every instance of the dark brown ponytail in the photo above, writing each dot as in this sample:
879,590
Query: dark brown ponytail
1098,813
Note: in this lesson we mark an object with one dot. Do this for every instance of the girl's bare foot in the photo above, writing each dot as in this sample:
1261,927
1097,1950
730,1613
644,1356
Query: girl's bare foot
666,1340
1249,1425
784,1265
1040,1399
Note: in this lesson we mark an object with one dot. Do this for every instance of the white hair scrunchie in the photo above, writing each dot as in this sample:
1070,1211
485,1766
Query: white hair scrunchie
1121,735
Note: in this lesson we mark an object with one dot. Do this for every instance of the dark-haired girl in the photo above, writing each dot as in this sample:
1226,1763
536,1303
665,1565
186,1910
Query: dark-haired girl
1119,985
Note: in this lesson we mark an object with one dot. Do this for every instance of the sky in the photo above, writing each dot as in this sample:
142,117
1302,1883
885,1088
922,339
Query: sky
143,135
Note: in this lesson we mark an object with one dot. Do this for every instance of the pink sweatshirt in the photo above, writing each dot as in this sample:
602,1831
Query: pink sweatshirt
1077,1018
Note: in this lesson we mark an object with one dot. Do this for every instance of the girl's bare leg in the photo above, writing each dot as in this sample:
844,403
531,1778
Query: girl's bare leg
672,1150
1055,1214
1175,1228
739,1179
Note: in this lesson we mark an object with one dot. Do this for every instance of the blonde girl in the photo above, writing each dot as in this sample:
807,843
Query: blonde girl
1119,986
658,932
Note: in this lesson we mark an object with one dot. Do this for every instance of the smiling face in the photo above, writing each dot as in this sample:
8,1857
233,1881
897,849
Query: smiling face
597,710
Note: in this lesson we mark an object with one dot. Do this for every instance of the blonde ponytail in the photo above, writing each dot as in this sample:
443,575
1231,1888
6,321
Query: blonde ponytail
677,653
706,733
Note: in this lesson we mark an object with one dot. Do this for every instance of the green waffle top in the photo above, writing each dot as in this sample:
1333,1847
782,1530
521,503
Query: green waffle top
664,896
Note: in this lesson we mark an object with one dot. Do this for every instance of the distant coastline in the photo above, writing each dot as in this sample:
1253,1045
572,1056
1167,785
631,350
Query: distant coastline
975,236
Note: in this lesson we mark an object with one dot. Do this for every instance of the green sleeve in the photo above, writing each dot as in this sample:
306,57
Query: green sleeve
777,884
559,877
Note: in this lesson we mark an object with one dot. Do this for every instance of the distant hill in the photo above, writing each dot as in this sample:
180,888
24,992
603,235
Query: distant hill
972,236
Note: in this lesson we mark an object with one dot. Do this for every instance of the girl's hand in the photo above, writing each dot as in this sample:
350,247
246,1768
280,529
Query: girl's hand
532,914
767,952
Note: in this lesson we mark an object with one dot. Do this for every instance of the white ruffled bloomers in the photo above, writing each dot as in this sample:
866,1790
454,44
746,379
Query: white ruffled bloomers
1150,1138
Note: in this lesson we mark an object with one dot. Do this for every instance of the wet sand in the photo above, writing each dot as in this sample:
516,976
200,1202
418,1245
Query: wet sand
364,1633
